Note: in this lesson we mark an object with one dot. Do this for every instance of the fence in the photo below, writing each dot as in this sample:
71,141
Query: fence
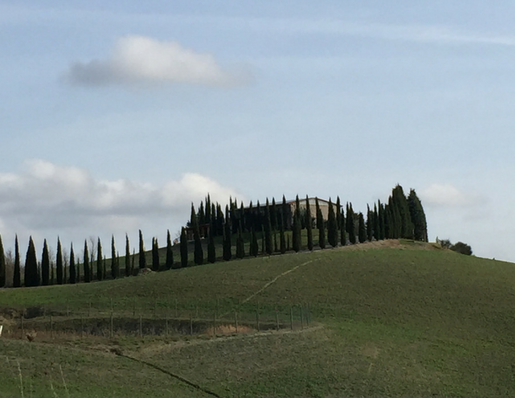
109,319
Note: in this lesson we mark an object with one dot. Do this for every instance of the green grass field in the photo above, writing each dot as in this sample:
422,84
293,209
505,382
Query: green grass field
400,321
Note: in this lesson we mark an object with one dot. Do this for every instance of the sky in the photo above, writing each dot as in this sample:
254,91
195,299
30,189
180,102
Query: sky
116,116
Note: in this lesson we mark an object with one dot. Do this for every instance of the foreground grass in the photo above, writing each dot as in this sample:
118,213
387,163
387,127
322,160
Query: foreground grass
391,322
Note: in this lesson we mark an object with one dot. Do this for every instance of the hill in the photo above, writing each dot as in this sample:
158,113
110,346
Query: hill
399,319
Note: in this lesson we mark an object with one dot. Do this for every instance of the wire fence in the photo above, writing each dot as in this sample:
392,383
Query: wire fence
154,318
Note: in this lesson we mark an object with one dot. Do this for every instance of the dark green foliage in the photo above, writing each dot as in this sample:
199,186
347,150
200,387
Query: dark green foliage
31,266
418,217
115,263
273,216
282,239
320,225
338,213
59,263
73,268
254,245
401,213
268,230
462,248
297,226
155,255
381,221
169,249
240,245
2,264
309,224
184,248
343,233
227,245
128,270
45,265
211,250
142,259
17,268
99,264
198,253
332,226
87,268
370,224
350,224
362,231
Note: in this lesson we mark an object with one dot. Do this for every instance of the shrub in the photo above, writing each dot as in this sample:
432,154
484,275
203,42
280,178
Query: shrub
462,248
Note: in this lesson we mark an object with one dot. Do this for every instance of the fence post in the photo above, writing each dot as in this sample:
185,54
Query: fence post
191,326
133,307
111,326
214,325
236,321
51,327
22,325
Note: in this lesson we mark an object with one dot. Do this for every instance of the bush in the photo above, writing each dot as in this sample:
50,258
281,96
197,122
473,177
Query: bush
462,248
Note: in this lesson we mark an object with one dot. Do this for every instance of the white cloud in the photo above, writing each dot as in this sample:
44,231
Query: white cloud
143,60
447,195
46,200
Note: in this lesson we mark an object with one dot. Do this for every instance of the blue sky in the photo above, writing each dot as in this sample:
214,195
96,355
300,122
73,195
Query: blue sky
116,116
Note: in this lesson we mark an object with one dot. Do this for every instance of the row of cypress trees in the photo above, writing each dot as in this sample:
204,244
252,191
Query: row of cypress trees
401,217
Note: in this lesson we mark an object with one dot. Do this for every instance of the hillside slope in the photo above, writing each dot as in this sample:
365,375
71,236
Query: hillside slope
404,320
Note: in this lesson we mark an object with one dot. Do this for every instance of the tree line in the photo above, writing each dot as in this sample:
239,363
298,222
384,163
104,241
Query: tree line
237,231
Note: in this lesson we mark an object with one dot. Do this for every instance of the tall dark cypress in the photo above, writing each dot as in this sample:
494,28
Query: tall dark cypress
268,229
377,224
320,225
309,224
282,239
17,268
169,249
2,264
128,270
87,268
198,253
115,260
73,269
401,205
332,228
142,258
59,263
211,249
100,265
31,266
45,265
227,244
240,245
370,224
184,248
343,233
417,216
362,231
381,220
254,245
155,255
297,226
273,216
350,224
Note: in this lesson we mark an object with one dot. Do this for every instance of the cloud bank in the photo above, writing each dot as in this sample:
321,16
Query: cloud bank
447,195
143,60
46,200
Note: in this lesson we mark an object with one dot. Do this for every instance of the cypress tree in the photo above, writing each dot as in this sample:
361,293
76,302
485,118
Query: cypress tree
400,203
332,228
211,250
282,239
268,230
155,255
31,266
45,265
381,220
87,269
240,245
73,269
350,224
169,249
417,216
115,261
59,263
377,224
227,244
52,274
320,225
100,265
286,212
370,224
2,264
198,253
142,258
184,248
128,270
17,268
297,226
309,224
254,245
273,216
338,214
362,231
343,234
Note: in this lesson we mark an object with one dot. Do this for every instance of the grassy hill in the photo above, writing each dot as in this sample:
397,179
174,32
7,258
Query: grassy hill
391,319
